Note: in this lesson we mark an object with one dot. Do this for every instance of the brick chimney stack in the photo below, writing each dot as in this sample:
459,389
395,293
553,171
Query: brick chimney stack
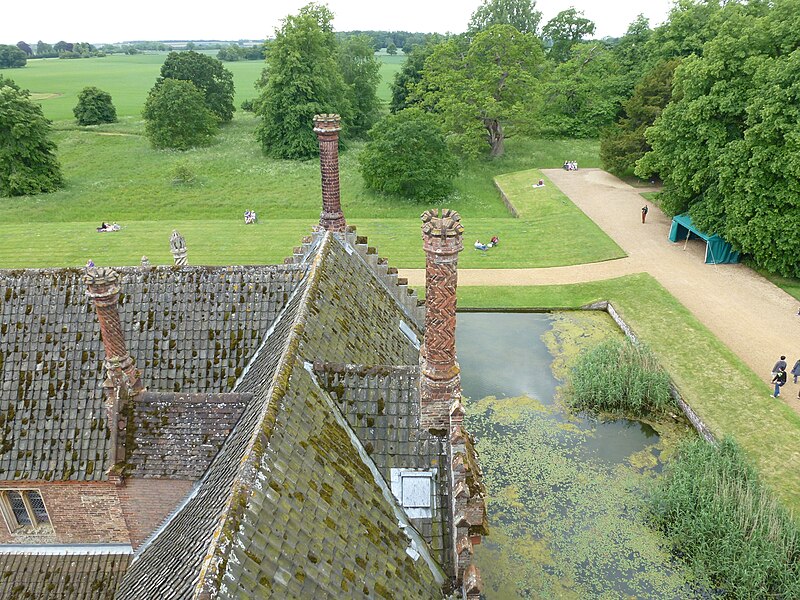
440,384
327,128
123,379
178,248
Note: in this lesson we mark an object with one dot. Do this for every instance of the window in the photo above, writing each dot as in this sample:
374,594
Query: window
414,490
23,510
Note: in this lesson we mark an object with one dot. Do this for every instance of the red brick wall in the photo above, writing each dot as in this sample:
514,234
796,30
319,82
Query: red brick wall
80,513
147,502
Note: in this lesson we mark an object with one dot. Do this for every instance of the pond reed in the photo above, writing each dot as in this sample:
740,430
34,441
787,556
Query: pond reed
726,524
619,377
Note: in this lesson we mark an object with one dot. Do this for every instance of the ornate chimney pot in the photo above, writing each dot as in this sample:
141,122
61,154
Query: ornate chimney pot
440,384
178,248
327,128
145,261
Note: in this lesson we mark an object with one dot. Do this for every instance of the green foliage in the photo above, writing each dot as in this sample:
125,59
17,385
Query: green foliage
361,72
408,157
176,116
28,163
94,107
624,143
486,92
584,94
235,53
391,49
12,57
409,76
565,30
726,523
520,14
208,75
183,174
302,79
726,146
620,377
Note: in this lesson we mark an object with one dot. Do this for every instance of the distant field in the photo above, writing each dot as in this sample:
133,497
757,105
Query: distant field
55,83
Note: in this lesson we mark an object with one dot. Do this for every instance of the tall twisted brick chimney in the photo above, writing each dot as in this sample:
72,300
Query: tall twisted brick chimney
123,380
177,246
327,128
440,384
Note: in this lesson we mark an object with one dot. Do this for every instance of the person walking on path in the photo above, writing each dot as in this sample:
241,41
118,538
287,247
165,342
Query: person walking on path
779,380
796,370
645,210
779,366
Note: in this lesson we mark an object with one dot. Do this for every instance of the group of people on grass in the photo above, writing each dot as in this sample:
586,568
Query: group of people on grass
494,242
570,165
250,217
105,227
779,375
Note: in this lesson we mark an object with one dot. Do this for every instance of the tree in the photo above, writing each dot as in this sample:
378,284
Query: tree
391,49
633,52
565,30
521,14
584,94
62,46
28,164
622,145
25,48
12,57
44,49
176,116
94,107
208,75
409,75
407,156
486,94
361,72
302,79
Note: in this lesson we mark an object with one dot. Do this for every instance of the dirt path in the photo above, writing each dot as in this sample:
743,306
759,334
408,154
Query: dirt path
757,320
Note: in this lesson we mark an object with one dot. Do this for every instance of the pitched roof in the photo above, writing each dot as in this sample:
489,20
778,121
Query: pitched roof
34,576
189,329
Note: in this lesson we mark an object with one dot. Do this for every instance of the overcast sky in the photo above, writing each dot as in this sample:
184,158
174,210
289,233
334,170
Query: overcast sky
116,21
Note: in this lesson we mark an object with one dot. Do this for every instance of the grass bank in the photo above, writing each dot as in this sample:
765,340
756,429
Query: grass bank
726,394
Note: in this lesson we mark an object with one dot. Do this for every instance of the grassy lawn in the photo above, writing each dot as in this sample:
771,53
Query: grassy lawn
727,395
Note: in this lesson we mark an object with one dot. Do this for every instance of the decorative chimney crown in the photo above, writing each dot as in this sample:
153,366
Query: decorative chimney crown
327,123
178,248
102,285
448,224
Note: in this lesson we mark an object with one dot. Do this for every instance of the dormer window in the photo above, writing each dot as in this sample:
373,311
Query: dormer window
23,510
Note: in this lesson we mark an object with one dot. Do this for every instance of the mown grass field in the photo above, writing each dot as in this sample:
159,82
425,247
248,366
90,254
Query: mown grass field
733,400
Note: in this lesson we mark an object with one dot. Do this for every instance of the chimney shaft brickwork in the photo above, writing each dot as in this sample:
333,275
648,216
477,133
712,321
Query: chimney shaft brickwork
123,379
327,128
177,246
440,384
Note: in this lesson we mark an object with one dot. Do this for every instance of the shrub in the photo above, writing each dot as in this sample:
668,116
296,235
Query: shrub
727,525
183,174
620,377
28,164
94,107
407,156
176,116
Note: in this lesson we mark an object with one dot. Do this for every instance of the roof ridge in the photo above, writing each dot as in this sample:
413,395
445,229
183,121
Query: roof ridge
213,566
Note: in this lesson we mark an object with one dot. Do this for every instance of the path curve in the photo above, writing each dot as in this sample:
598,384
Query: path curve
756,319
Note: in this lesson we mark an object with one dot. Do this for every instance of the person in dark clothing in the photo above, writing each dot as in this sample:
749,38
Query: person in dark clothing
779,380
780,365
645,210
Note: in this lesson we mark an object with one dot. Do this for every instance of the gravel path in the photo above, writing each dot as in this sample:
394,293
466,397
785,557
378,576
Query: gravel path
757,320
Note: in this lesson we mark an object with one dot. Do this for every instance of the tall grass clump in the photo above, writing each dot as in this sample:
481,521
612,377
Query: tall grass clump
726,523
619,377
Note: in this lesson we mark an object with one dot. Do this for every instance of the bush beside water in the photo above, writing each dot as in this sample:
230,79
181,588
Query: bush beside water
726,523
620,377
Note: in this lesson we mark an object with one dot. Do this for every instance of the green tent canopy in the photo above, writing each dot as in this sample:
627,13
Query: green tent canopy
718,251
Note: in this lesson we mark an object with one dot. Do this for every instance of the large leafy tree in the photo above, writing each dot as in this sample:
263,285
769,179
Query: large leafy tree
28,164
584,94
409,75
407,156
521,14
565,30
302,78
176,116
208,75
486,94
727,144
12,57
94,107
361,72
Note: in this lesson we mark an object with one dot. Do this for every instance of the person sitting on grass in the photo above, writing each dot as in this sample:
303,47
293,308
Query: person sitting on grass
496,240
479,246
